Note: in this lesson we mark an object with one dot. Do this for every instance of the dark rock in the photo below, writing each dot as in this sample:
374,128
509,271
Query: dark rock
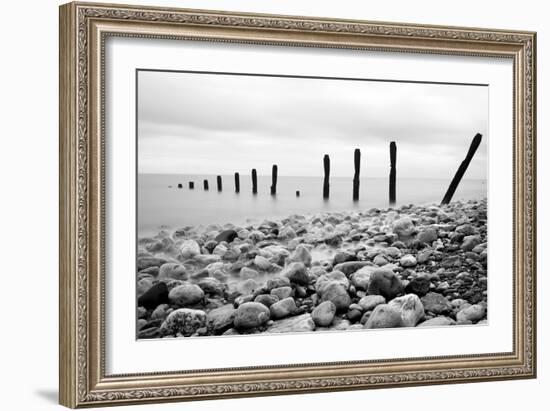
350,267
343,256
185,295
185,321
336,293
266,299
146,262
384,316
282,308
385,283
221,319
436,303
324,313
296,273
156,295
227,235
419,286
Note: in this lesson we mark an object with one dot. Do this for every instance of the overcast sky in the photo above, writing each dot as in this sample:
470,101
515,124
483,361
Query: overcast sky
192,123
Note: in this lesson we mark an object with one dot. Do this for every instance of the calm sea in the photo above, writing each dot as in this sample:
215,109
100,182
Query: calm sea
162,205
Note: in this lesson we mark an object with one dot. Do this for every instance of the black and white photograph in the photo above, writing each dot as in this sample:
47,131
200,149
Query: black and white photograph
283,204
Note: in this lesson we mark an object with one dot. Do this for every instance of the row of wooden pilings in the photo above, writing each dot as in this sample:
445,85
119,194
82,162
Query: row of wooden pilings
356,176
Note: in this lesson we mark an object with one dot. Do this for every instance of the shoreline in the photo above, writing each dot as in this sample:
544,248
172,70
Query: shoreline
416,265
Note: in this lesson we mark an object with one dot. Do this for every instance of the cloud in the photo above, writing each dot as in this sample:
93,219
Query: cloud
218,124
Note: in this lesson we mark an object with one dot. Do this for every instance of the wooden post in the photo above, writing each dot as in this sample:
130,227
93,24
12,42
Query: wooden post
326,184
297,193
393,171
219,182
357,167
180,185
205,183
274,180
237,183
191,185
254,182
461,169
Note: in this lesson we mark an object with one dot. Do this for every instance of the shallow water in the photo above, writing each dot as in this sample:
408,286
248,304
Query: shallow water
162,205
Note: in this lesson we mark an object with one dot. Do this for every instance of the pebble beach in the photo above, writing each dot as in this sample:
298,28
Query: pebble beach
412,266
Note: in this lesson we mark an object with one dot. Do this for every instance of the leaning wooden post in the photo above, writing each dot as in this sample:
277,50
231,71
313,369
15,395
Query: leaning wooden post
462,169
326,182
254,182
237,183
191,185
393,160
205,184
274,180
357,166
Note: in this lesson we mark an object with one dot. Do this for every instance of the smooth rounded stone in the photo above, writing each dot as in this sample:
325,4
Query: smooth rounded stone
282,292
262,263
241,299
361,278
248,273
143,285
220,250
256,236
213,267
419,286
408,260
369,302
287,233
296,273
343,256
227,235
380,260
221,319
442,287
482,322
470,242
459,303
248,286
186,294
427,236
329,278
277,282
436,303
299,323
465,229
437,322
334,239
404,228
350,267
301,254
354,327
324,313
266,299
189,249
336,293
473,313
480,248
212,286
160,312
243,234
384,282
354,315
410,307
282,308
232,254
384,316
173,270
300,291
156,295
183,321
251,315
392,252
146,262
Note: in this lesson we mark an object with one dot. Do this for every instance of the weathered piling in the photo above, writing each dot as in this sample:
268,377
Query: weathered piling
297,193
326,181
219,182
205,184
254,182
191,185
462,169
180,185
274,180
357,167
393,171
237,183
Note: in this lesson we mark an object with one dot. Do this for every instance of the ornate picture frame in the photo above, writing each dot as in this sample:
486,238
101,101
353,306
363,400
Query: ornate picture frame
84,28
